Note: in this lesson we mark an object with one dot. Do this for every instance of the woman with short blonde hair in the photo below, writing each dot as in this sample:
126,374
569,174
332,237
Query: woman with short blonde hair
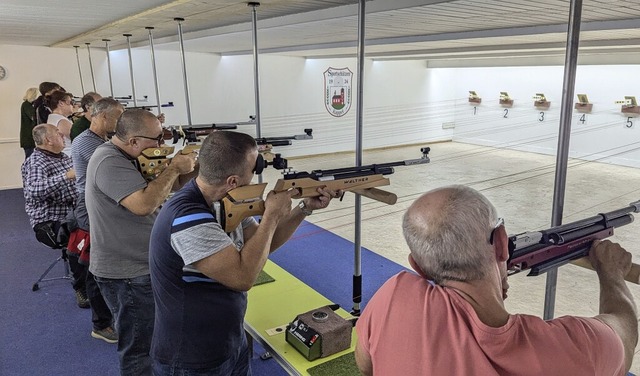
28,121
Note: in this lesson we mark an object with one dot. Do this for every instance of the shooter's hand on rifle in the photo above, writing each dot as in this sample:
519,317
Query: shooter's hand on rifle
183,163
321,201
610,260
277,206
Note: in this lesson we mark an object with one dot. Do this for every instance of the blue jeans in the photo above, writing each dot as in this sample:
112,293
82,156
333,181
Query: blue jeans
240,365
131,304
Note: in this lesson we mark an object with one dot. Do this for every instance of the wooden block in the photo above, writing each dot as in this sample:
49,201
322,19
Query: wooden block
543,105
506,102
630,109
584,107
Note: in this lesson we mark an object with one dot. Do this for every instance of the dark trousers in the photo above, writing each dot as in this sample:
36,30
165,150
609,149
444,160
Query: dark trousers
100,313
238,365
78,271
131,304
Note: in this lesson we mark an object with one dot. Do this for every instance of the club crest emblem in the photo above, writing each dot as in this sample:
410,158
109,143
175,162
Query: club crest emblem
337,91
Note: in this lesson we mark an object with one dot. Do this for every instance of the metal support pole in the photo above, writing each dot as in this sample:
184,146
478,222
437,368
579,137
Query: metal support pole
562,157
133,81
79,69
184,69
357,262
256,79
106,45
93,78
155,72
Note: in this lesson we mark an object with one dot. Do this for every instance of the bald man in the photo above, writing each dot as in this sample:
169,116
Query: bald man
450,317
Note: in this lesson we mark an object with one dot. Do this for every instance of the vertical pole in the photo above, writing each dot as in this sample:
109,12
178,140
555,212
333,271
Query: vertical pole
106,45
155,72
562,157
256,79
184,69
133,81
79,69
357,267
93,78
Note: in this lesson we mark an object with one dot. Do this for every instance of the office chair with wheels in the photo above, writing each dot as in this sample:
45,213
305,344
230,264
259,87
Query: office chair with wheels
47,234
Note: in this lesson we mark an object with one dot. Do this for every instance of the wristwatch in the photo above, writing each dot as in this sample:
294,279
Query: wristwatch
303,208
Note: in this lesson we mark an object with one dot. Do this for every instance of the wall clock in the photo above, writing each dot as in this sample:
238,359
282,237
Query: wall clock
3,72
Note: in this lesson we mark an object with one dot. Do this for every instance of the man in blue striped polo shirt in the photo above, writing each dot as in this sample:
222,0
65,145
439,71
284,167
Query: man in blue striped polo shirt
200,273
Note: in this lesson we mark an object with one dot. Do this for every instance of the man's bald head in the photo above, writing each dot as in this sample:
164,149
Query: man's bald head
447,231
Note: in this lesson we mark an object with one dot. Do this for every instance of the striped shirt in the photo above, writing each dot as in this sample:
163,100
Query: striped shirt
82,149
48,194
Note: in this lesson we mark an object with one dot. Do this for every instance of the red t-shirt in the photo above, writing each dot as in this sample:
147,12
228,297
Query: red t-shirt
412,327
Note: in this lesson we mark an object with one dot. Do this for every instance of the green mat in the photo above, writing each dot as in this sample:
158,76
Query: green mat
344,365
263,278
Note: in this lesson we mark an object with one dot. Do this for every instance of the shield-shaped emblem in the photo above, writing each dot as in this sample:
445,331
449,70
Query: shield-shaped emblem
337,92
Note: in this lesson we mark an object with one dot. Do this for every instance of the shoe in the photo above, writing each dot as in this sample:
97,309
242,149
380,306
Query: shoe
81,299
107,334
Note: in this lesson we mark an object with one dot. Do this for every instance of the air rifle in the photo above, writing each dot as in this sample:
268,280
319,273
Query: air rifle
360,180
192,133
247,200
541,251
153,161
149,107
266,144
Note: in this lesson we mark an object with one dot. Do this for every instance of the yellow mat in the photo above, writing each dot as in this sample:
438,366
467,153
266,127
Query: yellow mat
274,305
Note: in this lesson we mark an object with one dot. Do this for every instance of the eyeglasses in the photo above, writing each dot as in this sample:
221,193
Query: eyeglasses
159,139
498,224
69,102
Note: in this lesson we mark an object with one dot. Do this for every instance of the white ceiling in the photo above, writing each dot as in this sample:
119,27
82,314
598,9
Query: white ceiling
432,29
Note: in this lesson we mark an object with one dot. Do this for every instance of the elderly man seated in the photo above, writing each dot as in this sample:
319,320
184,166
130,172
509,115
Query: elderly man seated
49,191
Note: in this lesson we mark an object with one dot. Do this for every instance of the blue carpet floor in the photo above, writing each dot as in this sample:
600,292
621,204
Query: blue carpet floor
45,333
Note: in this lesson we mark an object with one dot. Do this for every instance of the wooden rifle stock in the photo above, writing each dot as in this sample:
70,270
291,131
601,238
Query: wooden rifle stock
153,161
363,185
241,203
247,200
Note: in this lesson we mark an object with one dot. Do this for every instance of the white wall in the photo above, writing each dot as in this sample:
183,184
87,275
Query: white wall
27,67
405,101
603,136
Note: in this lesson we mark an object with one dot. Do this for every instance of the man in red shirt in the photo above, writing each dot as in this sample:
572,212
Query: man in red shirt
450,319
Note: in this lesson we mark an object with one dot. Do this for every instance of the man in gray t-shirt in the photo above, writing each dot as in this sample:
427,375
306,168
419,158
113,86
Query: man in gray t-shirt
122,207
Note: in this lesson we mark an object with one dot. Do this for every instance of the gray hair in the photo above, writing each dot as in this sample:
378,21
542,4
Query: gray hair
224,153
133,122
452,243
104,105
39,133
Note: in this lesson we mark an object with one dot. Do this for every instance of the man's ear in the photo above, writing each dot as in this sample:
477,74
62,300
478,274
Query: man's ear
416,267
501,244
232,181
